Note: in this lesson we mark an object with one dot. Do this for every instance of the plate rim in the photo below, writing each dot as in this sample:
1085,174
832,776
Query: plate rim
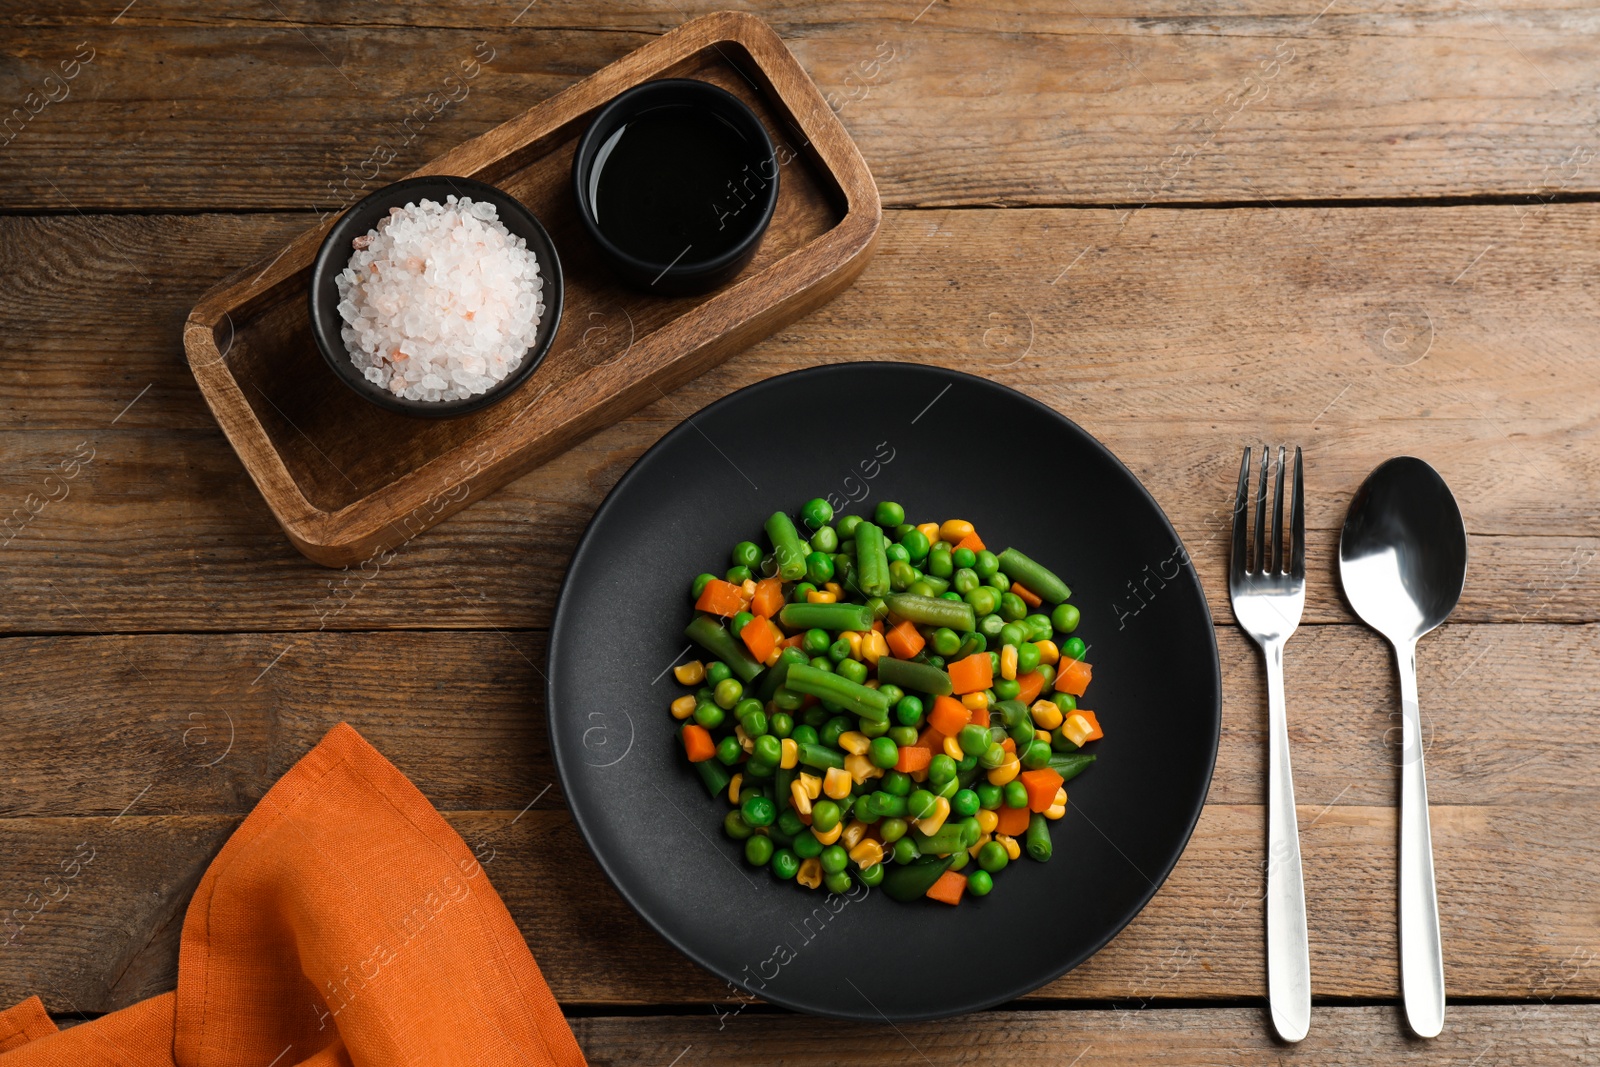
683,428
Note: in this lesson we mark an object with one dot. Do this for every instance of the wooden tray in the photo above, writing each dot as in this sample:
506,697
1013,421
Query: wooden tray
348,480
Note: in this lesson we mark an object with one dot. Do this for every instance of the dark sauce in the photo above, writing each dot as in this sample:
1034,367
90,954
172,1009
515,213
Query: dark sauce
677,184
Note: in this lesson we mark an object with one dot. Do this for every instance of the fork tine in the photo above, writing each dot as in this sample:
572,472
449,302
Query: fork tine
1261,515
1297,519
1240,501
1277,518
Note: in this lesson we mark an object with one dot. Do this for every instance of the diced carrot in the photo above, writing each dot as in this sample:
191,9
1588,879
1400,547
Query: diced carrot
697,743
877,624
949,887
1009,745
972,541
759,638
1041,786
793,642
971,675
1073,676
1029,597
913,758
980,717
769,597
1031,685
1081,727
904,640
948,716
930,739
1013,821
721,598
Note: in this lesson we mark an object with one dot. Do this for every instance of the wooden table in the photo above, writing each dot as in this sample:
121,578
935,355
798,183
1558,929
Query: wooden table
1368,230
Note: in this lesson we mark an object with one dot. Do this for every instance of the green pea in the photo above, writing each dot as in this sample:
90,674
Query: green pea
1047,676
905,850
728,692
767,749
1012,633
734,826
826,539
987,564
852,669
798,594
746,554
838,652
739,575
815,642
785,864
1016,794
788,700
964,558
789,821
835,728
1027,657
908,711
896,784
1036,755
898,554
941,769
716,671
922,587
1065,701
964,803
758,810
948,789
991,625
780,724
973,739
944,641
819,568
755,722
1064,618
982,600
835,859
847,526
918,805
728,751
758,850
805,734
964,582
1074,648
992,857
709,715
916,544
1012,607
871,876
990,796
883,753
901,575
817,512
940,564
936,661
837,882
806,846
999,581
1007,688
825,815
889,513
872,728
904,736
1039,628
980,883
892,830
699,585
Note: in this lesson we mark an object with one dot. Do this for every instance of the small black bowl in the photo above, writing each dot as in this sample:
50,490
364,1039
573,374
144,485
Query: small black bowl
334,256
760,169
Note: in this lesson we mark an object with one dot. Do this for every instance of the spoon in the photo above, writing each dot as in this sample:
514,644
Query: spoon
1403,560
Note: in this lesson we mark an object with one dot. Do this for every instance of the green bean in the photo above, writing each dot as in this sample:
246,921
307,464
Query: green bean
1018,721
1038,580
773,679
886,804
853,697
714,638
932,611
820,755
1037,840
872,560
714,775
910,675
947,839
906,882
786,545
1070,764
826,617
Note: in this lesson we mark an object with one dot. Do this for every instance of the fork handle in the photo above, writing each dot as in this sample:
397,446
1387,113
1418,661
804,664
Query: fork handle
1421,949
1288,948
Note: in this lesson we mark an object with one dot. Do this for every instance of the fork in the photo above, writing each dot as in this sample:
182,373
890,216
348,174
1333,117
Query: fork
1268,602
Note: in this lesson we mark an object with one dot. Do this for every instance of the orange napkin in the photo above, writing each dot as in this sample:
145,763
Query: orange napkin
344,923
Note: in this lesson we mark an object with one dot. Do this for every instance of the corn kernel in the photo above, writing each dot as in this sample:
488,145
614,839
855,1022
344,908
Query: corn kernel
836,783
853,834
683,707
810,873
871,683
853,639
952,748
797,793
867,854
930,530
831,836
691,673
1042,735
1005,772
833,587
874,647
855,742
1046,716
744,740
811,784
818,596
988,820
773,656
748,587
1048,652
920,776
953,530
930,823
734,785
1076,728
976,701
1060,797
1008,662
1055,811
861,768
983,840
791,753
1013,850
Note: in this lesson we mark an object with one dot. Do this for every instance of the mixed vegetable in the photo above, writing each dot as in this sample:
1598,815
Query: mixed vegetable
887,702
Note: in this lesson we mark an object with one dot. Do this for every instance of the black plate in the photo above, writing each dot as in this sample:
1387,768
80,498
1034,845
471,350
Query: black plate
944,445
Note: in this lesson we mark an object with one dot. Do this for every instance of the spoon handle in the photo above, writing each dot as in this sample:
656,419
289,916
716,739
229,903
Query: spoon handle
1421,951
1288,947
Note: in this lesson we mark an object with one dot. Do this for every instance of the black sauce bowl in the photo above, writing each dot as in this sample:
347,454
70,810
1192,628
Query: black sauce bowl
334,256
686,275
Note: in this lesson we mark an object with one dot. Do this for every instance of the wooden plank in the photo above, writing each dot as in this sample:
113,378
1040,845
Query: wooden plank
1340,1037
987,103
1519,896
1176,338
462,714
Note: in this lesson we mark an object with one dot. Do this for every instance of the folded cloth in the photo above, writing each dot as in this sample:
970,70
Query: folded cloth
344,923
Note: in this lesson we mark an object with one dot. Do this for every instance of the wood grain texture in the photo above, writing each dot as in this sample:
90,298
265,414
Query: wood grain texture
981,103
